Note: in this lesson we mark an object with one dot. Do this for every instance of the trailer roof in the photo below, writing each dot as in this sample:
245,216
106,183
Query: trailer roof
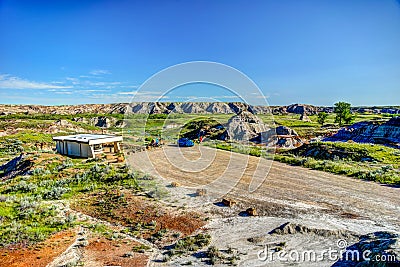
90,139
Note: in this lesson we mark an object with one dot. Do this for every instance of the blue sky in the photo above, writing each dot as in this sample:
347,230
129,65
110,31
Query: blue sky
315,52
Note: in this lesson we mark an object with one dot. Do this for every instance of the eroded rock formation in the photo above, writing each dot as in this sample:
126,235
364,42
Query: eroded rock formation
387,133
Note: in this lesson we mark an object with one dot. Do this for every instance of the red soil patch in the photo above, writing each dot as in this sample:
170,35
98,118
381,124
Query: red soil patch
104,252
37,255
139,209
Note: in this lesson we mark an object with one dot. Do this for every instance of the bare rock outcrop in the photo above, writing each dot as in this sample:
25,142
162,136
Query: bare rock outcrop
293,228
135,108
245,126
103,122
219,108
387,133
140,108
283,130
17,166
304,117
280,137
193,107
302,109
378,245
62,125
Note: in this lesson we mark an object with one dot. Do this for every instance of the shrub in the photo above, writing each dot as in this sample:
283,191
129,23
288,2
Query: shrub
23,187
11,146
189,244
55,193
214,255
141,248
66,164
38,171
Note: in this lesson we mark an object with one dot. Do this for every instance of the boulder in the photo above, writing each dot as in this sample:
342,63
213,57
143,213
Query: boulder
228,202
175,184
201,192
251,212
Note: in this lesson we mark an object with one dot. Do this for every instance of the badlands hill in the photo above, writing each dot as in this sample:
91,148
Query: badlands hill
155,108
177,107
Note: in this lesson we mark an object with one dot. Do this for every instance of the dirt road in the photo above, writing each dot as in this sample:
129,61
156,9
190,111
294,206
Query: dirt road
285,190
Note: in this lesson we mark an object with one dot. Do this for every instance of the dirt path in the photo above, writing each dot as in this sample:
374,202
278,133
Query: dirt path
286,191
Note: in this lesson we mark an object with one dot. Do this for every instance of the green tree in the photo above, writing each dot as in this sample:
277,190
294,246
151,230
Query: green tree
322,117
343,113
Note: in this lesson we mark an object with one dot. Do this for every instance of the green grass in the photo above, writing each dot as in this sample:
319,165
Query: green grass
313,128
356,151
364,161
29,136
251,150
142,125
27,220
25,213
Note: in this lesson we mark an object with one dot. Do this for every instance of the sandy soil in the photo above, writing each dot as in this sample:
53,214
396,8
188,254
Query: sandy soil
285,194
38,255
104,252
286,190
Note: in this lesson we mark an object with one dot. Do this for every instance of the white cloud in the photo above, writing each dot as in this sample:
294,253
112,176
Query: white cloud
125,97
99,72
262,96
102,83
11,82
63,92
91,90
126,93
86,83
130,86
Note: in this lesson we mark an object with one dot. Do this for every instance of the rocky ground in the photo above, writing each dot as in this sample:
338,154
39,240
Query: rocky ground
321,208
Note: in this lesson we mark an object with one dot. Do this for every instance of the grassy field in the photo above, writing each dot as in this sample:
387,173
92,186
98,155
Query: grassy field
313,128
25,212
168,127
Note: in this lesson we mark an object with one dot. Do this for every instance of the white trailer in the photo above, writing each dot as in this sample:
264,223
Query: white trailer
87,145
